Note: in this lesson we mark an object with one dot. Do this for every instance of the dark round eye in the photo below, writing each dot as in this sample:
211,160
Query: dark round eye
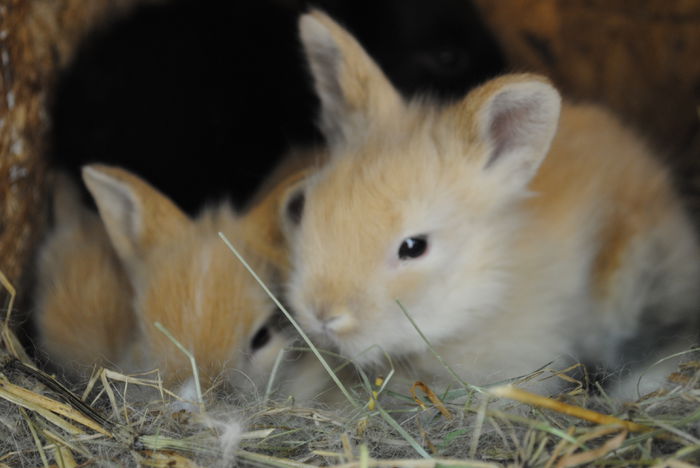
295,207
261,338
413,247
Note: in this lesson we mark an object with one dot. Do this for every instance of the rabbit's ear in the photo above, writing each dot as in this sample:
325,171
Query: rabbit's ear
354,92
266,223
516,119
137,217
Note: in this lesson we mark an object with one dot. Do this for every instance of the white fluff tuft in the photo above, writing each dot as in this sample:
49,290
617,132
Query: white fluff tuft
230,431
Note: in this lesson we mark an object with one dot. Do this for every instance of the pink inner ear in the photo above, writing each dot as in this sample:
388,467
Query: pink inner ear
511,118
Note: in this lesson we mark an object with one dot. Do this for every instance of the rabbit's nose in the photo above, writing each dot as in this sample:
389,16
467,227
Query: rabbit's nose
337,321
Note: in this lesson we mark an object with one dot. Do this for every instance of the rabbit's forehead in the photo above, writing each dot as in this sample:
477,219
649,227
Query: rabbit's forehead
395,179
365,204
205,280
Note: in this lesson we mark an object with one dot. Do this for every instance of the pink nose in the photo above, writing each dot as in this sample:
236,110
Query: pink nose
338,321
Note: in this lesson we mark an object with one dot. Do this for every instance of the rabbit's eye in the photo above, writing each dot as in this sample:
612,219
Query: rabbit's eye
261,338
295,207
413,247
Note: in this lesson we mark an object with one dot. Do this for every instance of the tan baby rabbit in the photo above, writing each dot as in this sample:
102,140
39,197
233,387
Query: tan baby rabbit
184,277
514,228
174,270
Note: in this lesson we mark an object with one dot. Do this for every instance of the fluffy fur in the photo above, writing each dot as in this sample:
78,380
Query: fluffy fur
83,297
102,290
184,277
548,235
264,224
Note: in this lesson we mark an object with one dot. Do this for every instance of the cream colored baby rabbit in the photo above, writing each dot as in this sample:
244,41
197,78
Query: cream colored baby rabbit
513,228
